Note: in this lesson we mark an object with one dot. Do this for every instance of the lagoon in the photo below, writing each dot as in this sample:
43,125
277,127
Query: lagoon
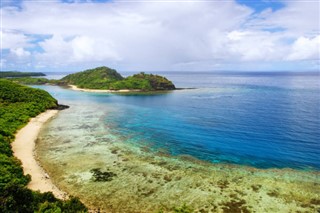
256,133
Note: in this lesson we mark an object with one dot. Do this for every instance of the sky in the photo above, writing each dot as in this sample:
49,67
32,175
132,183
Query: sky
160,35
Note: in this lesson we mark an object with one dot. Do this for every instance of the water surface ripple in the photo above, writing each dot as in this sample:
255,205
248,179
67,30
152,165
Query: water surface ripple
249,142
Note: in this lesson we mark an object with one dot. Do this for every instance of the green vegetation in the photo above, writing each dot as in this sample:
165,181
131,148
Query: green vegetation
14,74
145,82
98,78
31,81
106,78
17,105
37,81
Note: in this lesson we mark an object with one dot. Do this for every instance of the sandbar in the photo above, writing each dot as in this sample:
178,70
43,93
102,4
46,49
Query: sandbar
23,148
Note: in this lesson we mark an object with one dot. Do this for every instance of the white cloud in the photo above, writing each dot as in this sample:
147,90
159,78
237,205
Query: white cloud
63,51
20,52
159,35
2,63
297,18
11,39
16,58
256,45
89,49
305,48
82,47
237,35
56,52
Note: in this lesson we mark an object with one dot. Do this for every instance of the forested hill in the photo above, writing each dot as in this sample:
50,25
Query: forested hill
15,74
36,99
98,78
106,78
144,82
17,105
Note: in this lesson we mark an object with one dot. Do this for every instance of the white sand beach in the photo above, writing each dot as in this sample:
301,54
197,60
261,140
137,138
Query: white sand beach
74,87
23,148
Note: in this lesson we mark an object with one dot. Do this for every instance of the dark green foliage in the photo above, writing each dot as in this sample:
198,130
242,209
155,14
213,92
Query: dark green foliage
37,81
31,81
54,205
4,145
145,82
17,105
34,98
48,207
11,172
99,176
73,205
98,78
16,198
131,83
106,78
10,74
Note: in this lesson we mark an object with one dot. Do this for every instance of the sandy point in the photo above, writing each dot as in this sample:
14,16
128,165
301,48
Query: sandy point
23,148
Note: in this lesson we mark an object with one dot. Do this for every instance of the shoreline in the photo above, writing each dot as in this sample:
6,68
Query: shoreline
23,148
74,87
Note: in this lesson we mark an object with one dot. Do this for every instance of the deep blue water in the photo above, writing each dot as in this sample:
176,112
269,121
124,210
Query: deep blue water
265,120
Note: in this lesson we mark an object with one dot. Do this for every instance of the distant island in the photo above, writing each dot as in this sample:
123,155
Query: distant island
15,74
104,78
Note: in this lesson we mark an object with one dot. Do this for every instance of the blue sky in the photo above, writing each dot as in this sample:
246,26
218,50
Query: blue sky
160,35
260,5
257,5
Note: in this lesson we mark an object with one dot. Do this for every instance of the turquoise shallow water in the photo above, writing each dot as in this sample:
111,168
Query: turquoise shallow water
261,120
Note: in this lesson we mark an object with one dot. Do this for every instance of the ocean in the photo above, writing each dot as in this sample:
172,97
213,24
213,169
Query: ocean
264,122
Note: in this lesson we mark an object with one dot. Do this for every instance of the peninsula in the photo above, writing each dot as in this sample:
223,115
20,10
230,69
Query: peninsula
21,105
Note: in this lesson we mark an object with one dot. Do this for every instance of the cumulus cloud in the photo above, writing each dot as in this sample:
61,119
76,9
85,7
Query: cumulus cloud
13,39
159,35
305,48
20,52
64,51
256,45
82,47
297,18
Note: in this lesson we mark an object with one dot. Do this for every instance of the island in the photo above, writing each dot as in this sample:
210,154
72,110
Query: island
107,79
15,74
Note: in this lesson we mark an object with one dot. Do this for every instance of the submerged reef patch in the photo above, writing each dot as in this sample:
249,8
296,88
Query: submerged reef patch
119,176
99,176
